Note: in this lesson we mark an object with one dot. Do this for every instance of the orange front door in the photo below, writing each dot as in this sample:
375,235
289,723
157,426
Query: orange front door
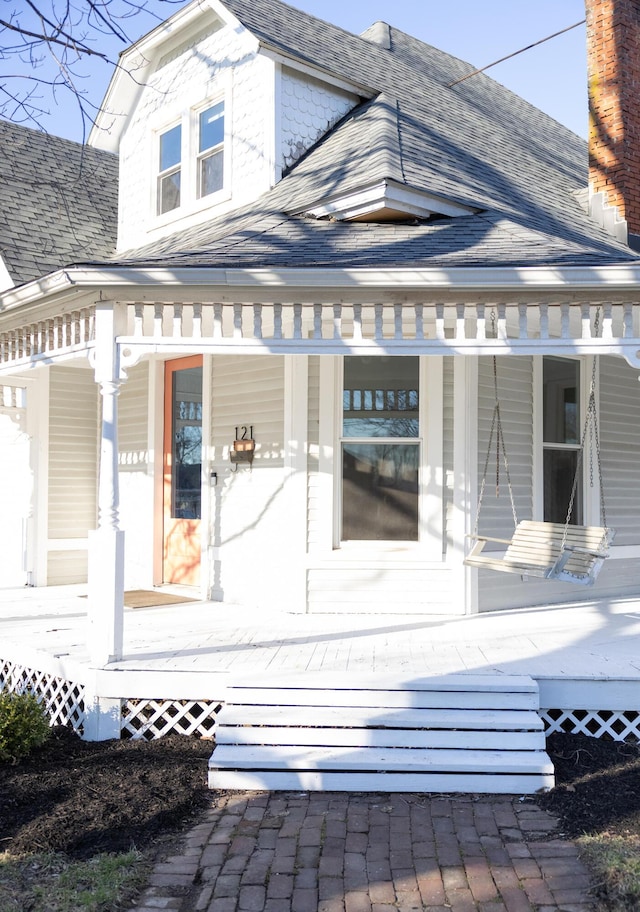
182,470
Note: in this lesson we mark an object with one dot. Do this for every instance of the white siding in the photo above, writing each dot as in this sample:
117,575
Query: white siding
309,109
515,393
220,65
620,439
16,492
248,520
135,477
73,451
378,589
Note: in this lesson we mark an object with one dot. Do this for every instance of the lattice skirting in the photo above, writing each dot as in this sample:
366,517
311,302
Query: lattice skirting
150,719
618,725
63,700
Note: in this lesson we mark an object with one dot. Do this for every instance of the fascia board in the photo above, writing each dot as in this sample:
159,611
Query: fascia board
525,284
295,63
124,89
390,195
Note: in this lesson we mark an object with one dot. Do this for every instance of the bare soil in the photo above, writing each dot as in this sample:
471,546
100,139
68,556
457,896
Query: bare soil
80,799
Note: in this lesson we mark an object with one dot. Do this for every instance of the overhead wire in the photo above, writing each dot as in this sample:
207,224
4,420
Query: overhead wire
515,53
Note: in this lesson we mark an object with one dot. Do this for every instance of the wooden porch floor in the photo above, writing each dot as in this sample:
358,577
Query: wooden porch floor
593,640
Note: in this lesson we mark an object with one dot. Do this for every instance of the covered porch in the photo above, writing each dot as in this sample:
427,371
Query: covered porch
179,660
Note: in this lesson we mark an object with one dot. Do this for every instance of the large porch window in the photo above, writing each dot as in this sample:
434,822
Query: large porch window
561,437
380,449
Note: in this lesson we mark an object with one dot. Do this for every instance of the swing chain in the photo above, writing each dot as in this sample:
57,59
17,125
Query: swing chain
591,426
496,427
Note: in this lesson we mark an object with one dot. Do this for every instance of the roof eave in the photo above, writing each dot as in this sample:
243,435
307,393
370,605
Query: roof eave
522,284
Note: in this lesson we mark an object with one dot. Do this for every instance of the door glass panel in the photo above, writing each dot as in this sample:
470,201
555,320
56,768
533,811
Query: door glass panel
186,444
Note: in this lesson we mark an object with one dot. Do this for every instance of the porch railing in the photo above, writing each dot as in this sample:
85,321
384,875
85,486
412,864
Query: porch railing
339,328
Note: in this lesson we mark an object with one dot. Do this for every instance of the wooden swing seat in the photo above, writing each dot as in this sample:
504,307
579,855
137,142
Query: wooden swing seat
539,549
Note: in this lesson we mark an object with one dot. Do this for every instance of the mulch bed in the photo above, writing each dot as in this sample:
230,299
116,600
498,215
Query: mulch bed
597,786
81,798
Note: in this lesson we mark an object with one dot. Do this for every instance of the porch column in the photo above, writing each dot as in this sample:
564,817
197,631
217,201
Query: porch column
106,543
296,390
465,411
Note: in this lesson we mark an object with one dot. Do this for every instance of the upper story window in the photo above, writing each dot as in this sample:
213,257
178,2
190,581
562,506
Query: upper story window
210,150
190,161
169,170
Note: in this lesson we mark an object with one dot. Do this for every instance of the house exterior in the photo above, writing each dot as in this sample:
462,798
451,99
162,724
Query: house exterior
274,382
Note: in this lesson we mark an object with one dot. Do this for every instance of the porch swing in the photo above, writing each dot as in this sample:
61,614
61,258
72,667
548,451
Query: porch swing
553,551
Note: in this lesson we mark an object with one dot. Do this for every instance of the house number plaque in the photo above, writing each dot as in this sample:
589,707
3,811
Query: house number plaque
243,447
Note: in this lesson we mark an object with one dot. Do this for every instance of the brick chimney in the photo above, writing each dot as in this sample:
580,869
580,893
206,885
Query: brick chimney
613,66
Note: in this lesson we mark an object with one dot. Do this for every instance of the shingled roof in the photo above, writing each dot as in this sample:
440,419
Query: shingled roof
58,202
518,176
475,143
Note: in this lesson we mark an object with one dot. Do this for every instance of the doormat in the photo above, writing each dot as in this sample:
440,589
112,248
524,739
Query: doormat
147,598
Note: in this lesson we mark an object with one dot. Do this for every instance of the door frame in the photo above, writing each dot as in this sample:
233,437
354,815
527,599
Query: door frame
165,476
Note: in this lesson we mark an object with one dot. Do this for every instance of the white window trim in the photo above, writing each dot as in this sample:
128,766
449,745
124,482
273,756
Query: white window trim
430,479
190,202
155,189
590,495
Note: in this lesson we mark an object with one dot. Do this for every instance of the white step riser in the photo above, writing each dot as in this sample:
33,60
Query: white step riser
257,756
382,699
371,737
380,782
400,718
457,733
470,683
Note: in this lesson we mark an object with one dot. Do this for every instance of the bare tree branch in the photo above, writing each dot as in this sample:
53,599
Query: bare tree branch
59,44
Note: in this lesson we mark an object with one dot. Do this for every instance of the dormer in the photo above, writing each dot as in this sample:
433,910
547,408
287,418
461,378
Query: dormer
206,117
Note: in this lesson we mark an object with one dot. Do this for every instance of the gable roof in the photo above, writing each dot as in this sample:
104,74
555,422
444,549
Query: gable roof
475,145
515,174
58,202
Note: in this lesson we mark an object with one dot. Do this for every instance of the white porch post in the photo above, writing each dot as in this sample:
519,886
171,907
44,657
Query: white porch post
465,410
296,385
106,543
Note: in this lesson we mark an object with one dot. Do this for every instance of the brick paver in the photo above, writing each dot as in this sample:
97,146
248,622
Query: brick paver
343,852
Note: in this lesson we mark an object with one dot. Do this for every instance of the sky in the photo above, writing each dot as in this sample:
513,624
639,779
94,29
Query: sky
552,76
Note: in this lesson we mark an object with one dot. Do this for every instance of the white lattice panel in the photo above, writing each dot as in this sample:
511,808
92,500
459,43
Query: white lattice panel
63,700
152,719
596,723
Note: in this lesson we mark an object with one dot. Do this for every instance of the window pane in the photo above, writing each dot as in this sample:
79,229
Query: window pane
380,397
186,462
169,192
211,127
380,491
211,173
170,152
560,400
559,472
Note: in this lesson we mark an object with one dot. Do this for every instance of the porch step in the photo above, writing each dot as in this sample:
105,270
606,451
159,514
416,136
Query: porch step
454,733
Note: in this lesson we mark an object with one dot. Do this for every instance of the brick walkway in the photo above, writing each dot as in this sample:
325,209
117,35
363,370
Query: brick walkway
342,852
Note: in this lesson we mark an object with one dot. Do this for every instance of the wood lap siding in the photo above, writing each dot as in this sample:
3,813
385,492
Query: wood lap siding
620,439
515,391
73,450
133,419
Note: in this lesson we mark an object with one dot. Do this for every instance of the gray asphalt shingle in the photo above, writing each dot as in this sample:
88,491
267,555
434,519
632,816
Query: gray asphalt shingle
58,202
